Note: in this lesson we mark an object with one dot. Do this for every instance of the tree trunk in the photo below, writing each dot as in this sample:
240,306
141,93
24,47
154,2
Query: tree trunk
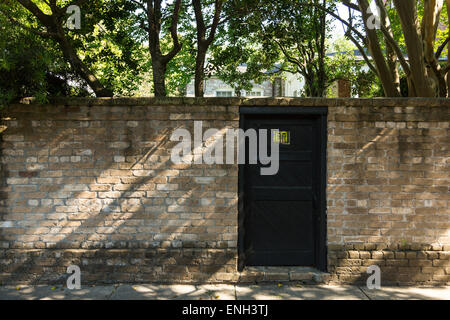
411,88
160,60
200,70
390,52
322,76
407,12
384,73
159,76
393,67
432,12
309,85
203,42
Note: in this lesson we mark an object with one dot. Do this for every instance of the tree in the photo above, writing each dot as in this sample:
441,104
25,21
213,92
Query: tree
180,69
110,45
156,19
344,64
237,57
297,30
425,76
103,53
241,66
300,32
204,37
31,65
54,24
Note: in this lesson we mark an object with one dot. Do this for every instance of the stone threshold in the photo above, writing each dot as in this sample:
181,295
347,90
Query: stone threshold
307,275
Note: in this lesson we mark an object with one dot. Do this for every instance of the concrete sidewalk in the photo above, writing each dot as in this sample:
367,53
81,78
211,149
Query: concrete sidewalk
223,292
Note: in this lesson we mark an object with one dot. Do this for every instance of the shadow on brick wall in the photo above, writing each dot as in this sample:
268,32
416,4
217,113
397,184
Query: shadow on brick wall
388,194
105,196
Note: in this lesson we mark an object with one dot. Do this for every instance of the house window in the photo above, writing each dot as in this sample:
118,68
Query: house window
254,93
224,93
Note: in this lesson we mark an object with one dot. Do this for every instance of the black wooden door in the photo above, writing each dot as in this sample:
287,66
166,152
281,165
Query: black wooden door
282,212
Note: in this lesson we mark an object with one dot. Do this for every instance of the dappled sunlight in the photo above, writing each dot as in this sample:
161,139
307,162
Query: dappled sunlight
387,196
377,184
105,195
225,292
120,193
384,135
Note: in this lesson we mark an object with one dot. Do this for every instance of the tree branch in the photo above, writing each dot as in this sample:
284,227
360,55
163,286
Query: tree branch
336,16
363,53
32,30
173,32
377,53
139,4
397,50
201,29
357,44
446,69
441,48
33,8
216,19
350,5
290,58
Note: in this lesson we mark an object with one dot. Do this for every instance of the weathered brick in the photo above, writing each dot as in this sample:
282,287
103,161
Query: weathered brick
98,178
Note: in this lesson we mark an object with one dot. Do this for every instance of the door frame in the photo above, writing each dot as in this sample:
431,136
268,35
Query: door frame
321,239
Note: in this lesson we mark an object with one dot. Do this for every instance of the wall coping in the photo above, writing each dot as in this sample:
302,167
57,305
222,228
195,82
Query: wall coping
306,102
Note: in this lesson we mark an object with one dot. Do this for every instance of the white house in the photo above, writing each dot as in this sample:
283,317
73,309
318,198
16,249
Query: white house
285,85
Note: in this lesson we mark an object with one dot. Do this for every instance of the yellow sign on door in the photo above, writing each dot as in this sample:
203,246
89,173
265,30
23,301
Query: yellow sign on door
282,137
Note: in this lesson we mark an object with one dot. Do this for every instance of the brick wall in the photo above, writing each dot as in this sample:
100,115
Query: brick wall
388,189
94,185
90,182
